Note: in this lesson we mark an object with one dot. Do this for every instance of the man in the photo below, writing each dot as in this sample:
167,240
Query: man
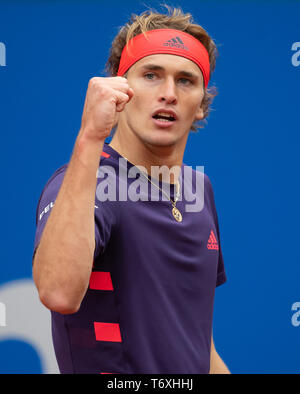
131,281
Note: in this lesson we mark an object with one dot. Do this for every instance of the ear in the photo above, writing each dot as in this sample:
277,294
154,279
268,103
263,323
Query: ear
200,113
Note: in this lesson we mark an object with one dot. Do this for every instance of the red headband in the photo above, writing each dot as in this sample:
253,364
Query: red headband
169,41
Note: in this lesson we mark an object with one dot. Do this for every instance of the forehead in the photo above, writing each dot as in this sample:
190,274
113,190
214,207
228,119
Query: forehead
170,63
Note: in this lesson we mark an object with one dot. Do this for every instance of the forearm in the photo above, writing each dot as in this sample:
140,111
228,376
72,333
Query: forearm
64,258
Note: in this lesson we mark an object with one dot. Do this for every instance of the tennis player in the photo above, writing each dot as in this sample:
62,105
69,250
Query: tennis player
130,279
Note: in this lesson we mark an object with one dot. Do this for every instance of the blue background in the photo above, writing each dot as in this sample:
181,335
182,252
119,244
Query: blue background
250,150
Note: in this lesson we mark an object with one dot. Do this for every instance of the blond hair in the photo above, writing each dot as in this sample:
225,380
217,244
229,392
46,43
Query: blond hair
176,19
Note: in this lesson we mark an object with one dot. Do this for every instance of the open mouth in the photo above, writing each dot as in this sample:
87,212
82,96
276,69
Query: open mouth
164,117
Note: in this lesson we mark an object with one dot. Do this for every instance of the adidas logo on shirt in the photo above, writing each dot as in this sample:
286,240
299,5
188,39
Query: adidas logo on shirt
175,42
212,243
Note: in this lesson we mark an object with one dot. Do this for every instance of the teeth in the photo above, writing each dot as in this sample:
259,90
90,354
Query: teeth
165,115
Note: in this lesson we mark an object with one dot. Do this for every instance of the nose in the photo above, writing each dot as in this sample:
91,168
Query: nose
168,92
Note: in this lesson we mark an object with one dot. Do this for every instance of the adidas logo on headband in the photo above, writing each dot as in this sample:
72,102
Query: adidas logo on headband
175,42
165,41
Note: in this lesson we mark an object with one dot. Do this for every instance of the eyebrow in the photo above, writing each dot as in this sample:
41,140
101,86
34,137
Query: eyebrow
155,67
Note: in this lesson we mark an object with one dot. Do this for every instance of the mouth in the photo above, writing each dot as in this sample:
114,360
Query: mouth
164,118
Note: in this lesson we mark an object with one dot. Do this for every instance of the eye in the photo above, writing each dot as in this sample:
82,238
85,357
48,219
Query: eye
185,81
149,76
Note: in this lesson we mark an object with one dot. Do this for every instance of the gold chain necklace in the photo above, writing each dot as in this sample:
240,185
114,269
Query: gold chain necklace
175,211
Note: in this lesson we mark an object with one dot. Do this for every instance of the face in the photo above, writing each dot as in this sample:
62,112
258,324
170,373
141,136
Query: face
168,93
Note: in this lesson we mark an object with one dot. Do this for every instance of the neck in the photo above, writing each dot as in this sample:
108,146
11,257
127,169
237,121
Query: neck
151,157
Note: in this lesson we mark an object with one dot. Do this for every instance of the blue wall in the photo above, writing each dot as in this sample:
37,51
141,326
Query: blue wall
250,150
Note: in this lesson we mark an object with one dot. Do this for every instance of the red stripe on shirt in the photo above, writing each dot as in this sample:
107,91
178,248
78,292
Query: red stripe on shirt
109,332
101,281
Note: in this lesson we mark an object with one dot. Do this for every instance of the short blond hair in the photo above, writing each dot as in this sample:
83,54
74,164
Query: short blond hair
176,19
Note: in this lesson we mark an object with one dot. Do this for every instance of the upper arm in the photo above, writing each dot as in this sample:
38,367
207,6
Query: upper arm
45,205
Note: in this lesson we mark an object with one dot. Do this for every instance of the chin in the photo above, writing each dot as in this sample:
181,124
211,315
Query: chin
160,140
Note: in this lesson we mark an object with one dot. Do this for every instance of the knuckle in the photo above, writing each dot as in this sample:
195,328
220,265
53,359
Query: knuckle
99,85
93,81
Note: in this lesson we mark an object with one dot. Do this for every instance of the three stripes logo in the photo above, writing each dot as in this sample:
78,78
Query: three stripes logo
175,42
212,243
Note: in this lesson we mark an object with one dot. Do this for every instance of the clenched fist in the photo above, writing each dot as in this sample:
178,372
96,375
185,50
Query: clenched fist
104,98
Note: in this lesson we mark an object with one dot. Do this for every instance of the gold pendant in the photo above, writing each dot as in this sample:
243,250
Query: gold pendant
177,215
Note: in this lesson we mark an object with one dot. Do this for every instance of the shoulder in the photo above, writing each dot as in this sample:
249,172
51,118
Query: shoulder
50,189
54,181
197,177
59,173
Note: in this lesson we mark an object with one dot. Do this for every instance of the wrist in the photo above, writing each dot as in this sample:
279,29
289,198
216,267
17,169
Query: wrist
90,136
87,148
